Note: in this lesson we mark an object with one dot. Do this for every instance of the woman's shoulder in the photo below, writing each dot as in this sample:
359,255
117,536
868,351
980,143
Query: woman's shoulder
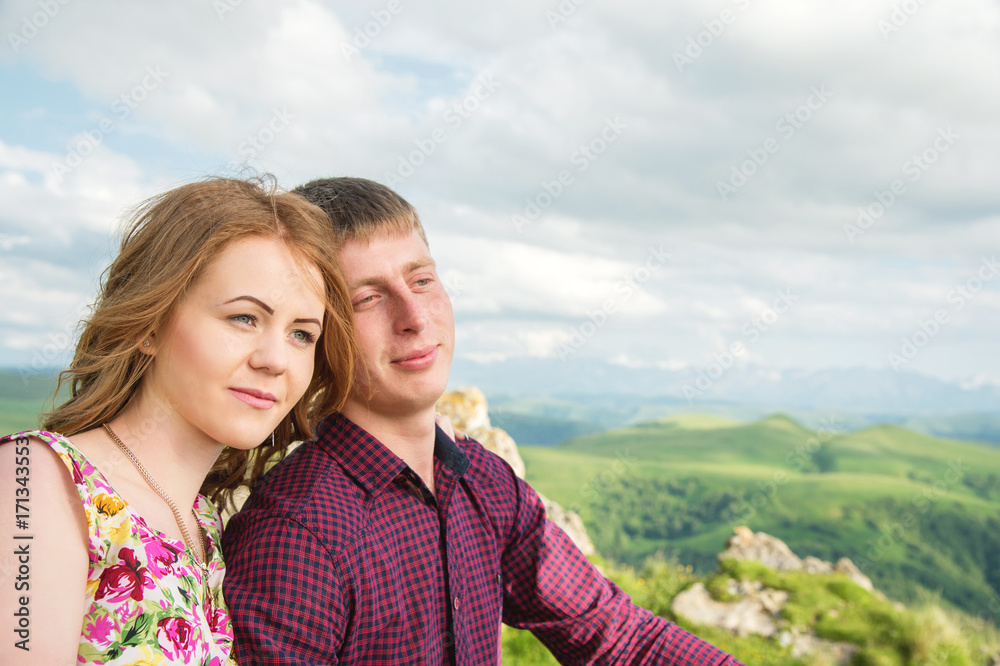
59,443
27,444
50,530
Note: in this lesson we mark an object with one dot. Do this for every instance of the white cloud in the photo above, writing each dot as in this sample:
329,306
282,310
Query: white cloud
556,88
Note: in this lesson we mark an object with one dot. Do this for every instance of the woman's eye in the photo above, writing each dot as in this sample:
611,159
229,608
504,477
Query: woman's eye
304,336
244,319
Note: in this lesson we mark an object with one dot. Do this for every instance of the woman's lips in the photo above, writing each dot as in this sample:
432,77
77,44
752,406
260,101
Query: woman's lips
418,360
254,398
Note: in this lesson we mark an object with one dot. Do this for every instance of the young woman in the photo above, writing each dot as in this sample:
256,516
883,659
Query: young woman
223,326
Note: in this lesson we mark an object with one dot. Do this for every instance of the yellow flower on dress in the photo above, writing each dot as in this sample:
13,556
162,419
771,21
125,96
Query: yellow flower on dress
108,505
121,532
142,655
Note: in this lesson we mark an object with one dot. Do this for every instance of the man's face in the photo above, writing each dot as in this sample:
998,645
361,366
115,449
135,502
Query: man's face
405,325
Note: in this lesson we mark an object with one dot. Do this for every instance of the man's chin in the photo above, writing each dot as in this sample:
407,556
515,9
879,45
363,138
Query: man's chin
394,405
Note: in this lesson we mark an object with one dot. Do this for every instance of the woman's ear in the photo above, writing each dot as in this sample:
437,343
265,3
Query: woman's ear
146,343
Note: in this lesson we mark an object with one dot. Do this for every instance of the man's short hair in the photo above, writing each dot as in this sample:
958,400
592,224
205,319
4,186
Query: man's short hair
361,209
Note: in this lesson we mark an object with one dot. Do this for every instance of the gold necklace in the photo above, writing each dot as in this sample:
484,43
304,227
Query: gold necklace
201,559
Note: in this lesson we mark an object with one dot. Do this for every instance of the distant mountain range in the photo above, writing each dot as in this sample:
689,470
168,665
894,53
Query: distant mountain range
545,401
593,395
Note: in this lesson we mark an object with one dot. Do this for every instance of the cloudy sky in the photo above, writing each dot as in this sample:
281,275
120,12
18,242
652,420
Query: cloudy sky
810,184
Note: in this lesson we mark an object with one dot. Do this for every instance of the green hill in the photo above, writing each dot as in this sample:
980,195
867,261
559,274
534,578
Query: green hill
22,398
917,514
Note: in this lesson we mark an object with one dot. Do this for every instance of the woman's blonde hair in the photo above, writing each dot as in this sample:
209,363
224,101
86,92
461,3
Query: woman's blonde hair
167,244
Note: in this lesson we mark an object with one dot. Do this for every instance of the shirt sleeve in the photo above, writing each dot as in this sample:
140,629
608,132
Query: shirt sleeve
551,589
285,601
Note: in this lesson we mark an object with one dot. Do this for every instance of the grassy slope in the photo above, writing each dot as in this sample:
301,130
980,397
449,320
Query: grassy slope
22,399
903,475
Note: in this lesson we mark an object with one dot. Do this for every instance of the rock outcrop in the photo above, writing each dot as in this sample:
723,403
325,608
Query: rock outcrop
469,413
754,613
756,609
774,553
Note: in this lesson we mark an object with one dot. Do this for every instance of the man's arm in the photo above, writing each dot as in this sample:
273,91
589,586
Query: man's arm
283,593
551,589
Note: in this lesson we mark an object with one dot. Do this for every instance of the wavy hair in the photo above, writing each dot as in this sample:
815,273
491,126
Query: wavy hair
168,242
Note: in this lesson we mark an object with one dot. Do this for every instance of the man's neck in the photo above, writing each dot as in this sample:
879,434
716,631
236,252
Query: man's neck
410,436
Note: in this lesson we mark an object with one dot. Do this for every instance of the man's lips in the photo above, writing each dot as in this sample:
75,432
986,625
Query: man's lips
417,359
254,397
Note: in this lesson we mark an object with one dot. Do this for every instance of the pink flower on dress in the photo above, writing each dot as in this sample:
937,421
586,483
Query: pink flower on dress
78,475
124,580
99,631
174,637
160,557
218,622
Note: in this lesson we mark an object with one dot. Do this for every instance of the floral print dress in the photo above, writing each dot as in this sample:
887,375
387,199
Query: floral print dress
146,593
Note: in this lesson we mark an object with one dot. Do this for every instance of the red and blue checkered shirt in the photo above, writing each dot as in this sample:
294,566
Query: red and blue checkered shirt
343,556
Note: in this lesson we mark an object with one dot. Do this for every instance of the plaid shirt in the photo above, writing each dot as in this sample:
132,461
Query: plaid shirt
342,556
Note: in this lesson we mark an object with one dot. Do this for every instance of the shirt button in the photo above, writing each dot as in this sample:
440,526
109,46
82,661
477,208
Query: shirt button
455,602
499,580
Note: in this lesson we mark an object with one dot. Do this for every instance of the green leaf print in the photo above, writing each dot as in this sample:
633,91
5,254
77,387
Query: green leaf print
136,632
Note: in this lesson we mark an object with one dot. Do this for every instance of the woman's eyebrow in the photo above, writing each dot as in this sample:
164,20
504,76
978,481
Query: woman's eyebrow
253,299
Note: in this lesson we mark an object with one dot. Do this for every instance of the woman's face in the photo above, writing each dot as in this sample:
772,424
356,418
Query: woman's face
239,350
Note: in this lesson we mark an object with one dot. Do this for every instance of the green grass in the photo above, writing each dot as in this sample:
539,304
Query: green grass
18,415
831,606
917,513
22,399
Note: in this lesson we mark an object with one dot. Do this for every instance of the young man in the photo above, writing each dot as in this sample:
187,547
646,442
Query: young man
385,542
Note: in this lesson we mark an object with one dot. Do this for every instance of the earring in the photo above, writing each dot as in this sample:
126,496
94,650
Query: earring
272,438
145,343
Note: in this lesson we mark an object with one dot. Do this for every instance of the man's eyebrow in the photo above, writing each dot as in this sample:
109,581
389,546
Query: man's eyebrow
414,265
253,299
419,263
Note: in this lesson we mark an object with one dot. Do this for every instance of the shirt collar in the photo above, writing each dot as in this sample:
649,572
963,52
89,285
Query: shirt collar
368,461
